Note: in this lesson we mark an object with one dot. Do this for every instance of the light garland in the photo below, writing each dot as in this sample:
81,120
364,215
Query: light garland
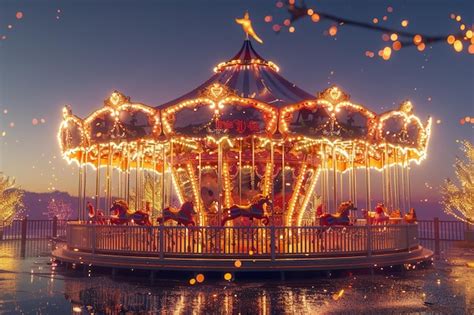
308,196
296,191
227,185
247,64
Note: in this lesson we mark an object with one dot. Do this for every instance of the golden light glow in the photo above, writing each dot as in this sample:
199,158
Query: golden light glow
315,17
200,278
451,39
294,197
417,39
458,46
228,276
386,53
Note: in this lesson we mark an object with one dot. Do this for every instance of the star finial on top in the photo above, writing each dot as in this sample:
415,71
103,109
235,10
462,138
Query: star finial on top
247,27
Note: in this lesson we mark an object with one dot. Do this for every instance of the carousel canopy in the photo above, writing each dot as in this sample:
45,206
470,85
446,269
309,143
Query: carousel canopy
249,75
246,99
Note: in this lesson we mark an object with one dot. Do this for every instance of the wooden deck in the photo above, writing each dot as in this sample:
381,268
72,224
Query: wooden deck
258,248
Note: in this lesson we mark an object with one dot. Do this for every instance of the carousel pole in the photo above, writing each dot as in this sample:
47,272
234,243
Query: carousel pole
350,175
323,175
408,185
137,162
334,177
367,179
240,172
404,199
384,199
199,183
252,175
127,188
353,177
283,178
396,182
154,180
79,193
108,180
326,185
171,165
97,180
271,180
84,185
389,183
219,180
162,181
119,178
341,187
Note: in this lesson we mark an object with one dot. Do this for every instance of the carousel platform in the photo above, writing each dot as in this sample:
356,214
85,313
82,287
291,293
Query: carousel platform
320,263
232,249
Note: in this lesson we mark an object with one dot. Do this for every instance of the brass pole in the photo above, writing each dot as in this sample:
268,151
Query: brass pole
97,180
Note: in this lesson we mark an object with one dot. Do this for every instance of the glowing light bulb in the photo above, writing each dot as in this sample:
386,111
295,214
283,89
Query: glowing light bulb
458,46
386,53
451,39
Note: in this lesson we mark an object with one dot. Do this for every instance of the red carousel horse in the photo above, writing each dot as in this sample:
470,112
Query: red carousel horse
254,210
381,217
96,216
410,217
183,216
121,214
341,217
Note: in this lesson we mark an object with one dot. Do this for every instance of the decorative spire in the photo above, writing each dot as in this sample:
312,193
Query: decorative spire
247,27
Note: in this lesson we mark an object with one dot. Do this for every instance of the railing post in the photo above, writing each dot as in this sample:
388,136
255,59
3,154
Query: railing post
436,234
407,233
24,226
272,242
162,254
55,227
93,238
369,240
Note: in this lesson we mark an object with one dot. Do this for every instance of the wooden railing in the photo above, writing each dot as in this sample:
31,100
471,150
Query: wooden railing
440,230
259,242
32,229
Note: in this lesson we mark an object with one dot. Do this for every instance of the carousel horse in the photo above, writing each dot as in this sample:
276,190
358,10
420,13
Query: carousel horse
410,217
381,216
254,210
121,214
183,216
341,217
395,214
96,216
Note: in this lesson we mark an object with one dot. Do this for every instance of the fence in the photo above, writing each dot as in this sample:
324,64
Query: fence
41,229
32,229
259,242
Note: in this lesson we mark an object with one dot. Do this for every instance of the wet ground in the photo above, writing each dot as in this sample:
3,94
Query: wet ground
34,285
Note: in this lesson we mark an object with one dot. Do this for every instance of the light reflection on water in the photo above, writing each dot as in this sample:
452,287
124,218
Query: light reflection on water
34,285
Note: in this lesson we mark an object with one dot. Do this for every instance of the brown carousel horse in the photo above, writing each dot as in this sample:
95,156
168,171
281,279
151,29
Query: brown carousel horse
410,217
254,210
96,216
121,214
183,216
341,217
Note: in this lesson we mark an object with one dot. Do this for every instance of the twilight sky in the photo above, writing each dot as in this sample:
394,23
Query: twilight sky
155,51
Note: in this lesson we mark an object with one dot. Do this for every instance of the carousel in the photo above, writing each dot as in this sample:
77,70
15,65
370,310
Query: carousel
245,172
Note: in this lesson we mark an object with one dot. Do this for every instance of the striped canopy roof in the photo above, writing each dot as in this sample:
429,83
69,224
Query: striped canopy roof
251,76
